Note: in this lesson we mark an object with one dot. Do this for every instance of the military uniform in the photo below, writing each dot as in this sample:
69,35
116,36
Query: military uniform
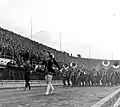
27,68
48,66
73,76
65,76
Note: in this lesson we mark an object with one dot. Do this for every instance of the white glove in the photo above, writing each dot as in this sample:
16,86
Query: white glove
61,70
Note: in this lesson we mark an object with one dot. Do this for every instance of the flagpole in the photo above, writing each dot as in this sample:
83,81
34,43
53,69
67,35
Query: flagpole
31,26
89,51
60,41
112,55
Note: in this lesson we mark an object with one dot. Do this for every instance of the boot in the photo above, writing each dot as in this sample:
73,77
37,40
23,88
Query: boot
48,89
29,87
25,89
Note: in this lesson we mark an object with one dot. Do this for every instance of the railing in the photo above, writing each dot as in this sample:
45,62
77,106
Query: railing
18,82
6,56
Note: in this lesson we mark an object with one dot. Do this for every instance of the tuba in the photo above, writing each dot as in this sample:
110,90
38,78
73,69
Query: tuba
105,63
73,64
116,65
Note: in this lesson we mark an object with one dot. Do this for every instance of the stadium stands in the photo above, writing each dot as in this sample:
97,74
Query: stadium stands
16,47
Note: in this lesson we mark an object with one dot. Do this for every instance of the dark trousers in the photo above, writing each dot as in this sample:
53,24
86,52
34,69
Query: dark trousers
66,78
27,84
73,80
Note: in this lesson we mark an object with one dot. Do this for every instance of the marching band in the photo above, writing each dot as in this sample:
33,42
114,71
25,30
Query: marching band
73,74
105,74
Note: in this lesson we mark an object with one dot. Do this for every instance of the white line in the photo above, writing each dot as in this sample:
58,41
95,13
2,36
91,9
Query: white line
117,104
106,99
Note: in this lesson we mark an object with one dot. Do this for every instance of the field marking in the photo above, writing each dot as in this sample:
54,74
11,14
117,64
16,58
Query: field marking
106,99
117,104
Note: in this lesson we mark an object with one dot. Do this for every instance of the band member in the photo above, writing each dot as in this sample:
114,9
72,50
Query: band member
49,71
65,75
27,68
73,75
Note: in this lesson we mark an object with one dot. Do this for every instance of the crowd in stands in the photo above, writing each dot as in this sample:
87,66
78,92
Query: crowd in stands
18,48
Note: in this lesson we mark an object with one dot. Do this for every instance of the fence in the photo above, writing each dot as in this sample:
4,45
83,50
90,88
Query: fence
18,74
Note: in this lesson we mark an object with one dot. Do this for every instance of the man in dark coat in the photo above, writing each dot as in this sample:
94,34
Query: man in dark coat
27,68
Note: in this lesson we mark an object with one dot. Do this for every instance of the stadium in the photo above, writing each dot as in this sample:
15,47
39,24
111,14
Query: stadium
15,49
59,53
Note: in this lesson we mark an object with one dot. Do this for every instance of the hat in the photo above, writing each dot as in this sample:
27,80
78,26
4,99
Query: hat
51,55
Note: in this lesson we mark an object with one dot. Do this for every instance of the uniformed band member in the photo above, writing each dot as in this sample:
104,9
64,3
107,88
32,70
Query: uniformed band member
49,71
65,75
73,75
27,68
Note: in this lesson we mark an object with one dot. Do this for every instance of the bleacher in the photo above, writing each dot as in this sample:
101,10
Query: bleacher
14,46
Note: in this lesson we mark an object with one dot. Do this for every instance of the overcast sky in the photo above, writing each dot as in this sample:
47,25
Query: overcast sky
81,22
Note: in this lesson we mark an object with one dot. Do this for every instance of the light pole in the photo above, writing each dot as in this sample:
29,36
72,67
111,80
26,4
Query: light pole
89,51
60,41
112,55
31,26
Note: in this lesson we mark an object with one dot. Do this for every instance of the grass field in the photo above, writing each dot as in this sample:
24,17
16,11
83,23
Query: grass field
62,97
